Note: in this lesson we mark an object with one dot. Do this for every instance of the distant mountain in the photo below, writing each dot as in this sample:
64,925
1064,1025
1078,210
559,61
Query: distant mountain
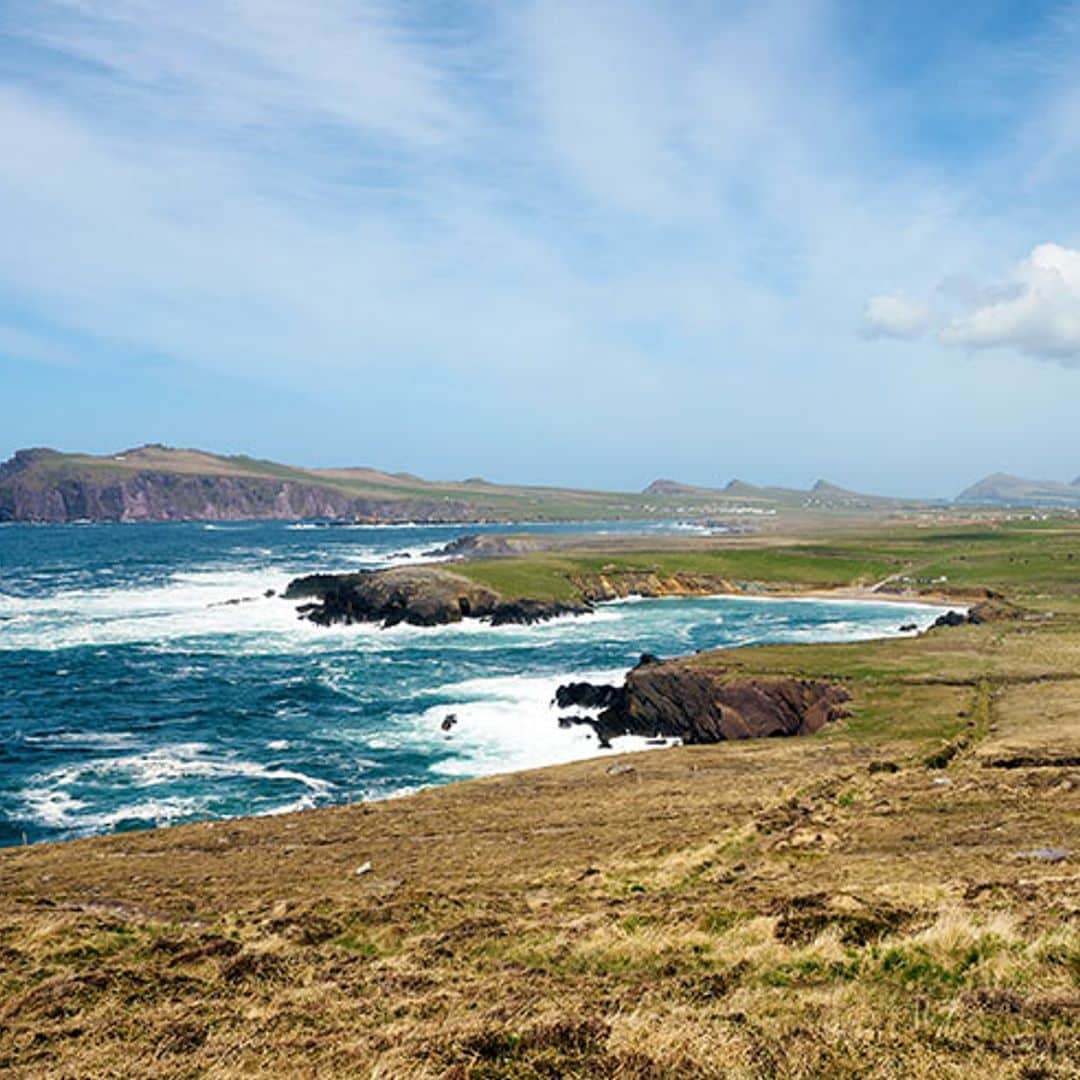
822,494
670,488
1005,490
735,489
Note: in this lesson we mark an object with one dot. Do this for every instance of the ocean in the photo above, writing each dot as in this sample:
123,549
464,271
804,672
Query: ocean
134,691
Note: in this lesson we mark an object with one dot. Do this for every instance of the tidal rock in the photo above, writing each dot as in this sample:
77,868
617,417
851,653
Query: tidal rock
993,609
528,612
951,618
585,695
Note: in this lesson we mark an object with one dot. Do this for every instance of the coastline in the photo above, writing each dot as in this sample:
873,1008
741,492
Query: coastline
842,594
770,904
540,702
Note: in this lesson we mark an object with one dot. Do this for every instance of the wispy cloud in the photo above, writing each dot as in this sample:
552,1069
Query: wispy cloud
895,316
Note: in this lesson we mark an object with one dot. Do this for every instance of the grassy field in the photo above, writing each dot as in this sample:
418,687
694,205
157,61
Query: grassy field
874,901
1035,562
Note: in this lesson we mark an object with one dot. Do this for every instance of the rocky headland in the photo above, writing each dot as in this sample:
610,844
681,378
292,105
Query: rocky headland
679,699
420,596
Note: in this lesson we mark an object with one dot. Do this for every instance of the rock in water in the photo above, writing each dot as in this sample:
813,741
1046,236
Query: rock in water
585,695
951,618
528,612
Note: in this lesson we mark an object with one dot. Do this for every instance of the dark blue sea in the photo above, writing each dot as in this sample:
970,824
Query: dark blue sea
133,695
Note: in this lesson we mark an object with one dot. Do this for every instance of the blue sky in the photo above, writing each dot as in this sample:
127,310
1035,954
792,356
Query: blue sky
547,241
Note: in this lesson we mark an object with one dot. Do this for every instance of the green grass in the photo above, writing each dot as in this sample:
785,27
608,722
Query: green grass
560,577
1024,562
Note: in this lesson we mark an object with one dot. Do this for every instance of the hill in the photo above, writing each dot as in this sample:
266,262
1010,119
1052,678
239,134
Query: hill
1003,489
822,495
158,483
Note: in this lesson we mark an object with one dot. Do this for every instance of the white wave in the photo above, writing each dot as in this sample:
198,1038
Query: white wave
52,807
166,764
503,724
57,810
66,797
202,604
97,740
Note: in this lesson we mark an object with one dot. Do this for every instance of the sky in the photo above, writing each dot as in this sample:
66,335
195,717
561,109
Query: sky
569,241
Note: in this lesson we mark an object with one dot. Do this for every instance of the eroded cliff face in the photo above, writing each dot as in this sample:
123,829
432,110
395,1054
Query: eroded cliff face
168,496
697,704
597,588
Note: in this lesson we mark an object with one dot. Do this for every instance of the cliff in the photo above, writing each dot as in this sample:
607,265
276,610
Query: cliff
153,484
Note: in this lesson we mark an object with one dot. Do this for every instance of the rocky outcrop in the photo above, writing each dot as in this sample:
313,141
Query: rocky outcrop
950,618
528,612
698,704
419,596
993,609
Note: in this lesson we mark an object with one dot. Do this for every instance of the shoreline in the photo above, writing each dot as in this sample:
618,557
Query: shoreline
840,595
623,745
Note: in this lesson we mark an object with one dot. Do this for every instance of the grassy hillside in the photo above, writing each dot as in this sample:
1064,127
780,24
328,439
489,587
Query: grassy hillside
896,897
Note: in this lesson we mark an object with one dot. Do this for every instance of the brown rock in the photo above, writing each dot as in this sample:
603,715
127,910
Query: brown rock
680,700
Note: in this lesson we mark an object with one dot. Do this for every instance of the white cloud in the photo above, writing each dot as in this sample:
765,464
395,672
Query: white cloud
1038,312
894,315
